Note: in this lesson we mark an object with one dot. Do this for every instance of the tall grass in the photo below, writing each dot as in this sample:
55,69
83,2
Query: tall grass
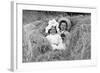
36,47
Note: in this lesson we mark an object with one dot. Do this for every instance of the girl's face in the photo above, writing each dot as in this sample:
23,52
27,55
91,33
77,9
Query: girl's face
53,30
63,26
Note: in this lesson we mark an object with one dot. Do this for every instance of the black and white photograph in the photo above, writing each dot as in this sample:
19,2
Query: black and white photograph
52,36
55,36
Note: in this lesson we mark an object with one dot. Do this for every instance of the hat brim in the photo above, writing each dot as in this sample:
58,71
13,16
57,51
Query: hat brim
65,19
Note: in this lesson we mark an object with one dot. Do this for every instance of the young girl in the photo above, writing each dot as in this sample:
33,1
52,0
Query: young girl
53,37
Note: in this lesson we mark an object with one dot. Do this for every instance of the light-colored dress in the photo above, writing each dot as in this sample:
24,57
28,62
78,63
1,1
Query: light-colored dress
56,41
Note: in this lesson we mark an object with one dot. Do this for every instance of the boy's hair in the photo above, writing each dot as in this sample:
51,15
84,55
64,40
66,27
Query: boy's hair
50,30
63,22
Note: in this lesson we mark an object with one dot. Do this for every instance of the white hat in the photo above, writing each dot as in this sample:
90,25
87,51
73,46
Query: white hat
51,23
65,19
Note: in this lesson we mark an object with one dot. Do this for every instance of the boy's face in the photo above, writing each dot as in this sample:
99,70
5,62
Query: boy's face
53,30
63,26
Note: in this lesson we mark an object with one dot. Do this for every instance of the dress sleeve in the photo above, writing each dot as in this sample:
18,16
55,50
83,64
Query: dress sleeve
61,45
59,39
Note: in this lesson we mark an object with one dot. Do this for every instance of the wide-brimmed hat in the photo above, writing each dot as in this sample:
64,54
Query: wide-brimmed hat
52,23
65,19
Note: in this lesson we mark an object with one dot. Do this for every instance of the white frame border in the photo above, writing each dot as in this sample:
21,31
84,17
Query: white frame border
16,64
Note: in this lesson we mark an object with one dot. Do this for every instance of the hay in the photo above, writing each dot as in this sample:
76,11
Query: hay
36,47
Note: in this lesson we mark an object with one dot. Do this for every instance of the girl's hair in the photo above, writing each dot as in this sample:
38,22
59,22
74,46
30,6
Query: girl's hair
61,23
50,30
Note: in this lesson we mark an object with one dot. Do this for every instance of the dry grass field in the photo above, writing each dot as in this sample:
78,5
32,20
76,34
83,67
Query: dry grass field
35,46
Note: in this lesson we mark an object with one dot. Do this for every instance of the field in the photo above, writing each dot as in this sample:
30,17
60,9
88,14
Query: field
36,47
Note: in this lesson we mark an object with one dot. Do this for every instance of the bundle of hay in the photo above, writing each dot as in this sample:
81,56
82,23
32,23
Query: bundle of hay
37,48
81,42
34,42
